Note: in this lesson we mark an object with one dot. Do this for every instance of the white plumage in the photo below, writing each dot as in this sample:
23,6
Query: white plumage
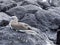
14,24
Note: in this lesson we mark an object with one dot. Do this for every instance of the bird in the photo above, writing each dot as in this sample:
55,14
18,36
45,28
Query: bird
22,27
15,24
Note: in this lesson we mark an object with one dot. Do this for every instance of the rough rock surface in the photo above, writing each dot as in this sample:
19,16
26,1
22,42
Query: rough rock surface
33,13
4,16
55,3
6,5
4,19
42,19
18,11
31,8
11,37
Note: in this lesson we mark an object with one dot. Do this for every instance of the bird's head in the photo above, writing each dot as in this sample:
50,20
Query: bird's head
14,18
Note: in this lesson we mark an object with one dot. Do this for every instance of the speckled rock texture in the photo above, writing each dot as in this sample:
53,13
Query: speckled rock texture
43,16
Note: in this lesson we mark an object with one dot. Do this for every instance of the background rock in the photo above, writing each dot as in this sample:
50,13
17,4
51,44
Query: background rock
43,3
34,2
6,5
32,8
18,11
33,13
11,37
4,23
4,19
45,20
30,19
55,3
4,16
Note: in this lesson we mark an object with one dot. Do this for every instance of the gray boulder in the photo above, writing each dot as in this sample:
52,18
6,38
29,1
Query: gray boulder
35,37
55,3
26,2
43,3
32,8
17,1
18,11
30,19
4,16
6,5
46,21
4,19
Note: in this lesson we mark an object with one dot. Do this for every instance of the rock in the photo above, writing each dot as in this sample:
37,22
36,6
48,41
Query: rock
18,0
4,19
5,7
31,0
30,19
11,37
45,21
4,23
32,8
30,12
47,18
58,39
27,2
52,36
43,3
18,11
4,16
56,10
5,2
55,3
